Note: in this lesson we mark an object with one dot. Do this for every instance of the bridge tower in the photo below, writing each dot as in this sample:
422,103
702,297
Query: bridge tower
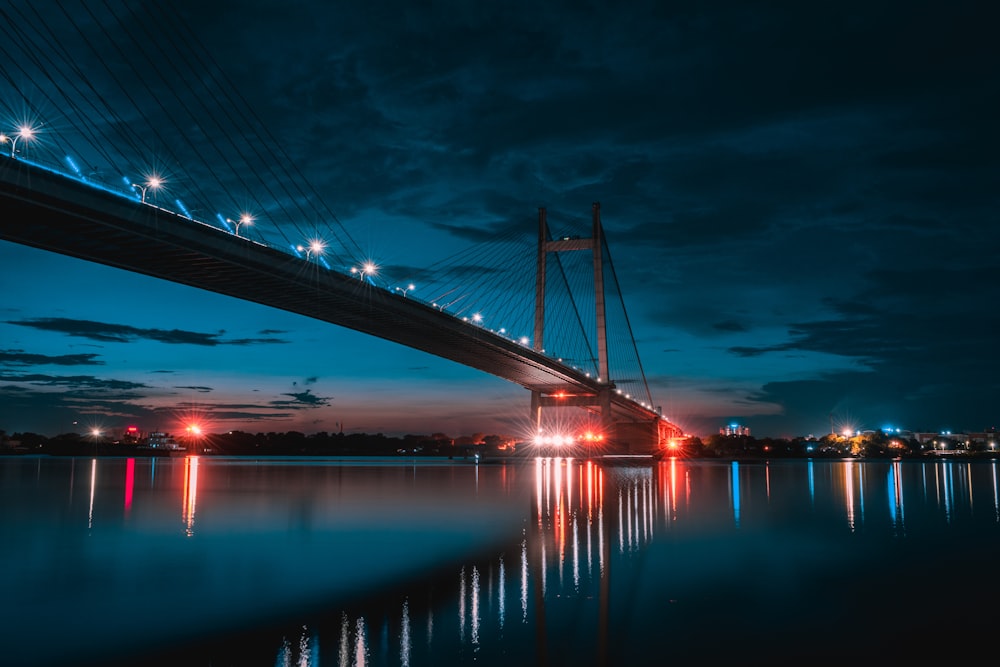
603,398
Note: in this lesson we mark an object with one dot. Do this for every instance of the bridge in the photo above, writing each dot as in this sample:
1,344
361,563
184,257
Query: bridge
53,205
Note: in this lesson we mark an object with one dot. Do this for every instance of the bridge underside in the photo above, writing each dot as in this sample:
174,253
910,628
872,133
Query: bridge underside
56,213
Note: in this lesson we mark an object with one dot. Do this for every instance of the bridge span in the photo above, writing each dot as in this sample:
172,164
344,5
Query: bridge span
52,211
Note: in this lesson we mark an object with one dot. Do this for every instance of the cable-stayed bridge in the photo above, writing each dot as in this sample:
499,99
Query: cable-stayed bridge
79,186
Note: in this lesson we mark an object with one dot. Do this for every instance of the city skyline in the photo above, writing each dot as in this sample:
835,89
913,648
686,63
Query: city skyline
801,204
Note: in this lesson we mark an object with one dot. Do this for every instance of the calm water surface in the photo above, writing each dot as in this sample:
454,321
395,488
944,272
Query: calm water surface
231,561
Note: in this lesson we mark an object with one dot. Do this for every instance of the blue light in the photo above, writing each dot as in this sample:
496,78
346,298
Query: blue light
72,165
183,208
323,261
223,221
736,493
296,251
892,492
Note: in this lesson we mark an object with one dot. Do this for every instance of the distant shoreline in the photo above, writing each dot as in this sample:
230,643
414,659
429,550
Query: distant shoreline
505,458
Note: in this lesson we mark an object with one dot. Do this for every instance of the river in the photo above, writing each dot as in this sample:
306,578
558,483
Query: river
215,561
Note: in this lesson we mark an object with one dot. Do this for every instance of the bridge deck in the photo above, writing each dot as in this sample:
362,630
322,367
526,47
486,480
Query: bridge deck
54,212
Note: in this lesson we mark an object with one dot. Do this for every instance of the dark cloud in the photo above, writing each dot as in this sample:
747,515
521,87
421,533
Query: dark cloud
304,399
203,390
730,325
22,358
88,381
123,333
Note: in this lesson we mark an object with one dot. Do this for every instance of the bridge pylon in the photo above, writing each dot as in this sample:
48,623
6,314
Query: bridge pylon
602,399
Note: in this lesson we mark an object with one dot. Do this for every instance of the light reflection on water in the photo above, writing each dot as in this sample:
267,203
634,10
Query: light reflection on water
612,561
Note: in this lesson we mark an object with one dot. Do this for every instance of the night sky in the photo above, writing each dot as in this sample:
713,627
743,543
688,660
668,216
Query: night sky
800,199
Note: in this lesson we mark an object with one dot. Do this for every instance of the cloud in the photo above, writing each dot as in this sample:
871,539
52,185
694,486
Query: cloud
123,333
305,399
87,381
730,325
22,358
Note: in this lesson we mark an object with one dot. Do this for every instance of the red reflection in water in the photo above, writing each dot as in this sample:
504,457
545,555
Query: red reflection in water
129,484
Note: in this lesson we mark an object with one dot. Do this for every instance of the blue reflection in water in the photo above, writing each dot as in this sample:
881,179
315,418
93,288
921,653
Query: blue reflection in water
812,483
736,493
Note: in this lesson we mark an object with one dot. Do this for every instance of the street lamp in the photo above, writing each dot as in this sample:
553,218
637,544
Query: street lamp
315,247
404,290
245,219
154,182
25,132
367,269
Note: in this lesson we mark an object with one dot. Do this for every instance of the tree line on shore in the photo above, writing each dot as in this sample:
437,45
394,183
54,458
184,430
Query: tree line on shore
239,443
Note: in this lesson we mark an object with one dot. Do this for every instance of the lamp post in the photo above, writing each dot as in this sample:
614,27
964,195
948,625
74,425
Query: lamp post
154,182
404,290
25,132
314,248
366,269
245,219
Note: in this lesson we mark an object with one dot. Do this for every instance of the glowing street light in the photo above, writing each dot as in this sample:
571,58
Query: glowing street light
154,182
477,318
315,247
367,269
404,290
245,219
25,132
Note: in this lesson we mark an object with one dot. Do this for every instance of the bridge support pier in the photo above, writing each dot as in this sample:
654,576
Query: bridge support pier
536,410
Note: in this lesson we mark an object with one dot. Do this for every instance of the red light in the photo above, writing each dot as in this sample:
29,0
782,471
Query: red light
133,429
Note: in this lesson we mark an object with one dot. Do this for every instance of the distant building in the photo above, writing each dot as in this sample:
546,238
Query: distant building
987,439
735,429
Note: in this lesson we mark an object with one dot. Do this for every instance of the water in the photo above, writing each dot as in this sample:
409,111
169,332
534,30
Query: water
229,561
